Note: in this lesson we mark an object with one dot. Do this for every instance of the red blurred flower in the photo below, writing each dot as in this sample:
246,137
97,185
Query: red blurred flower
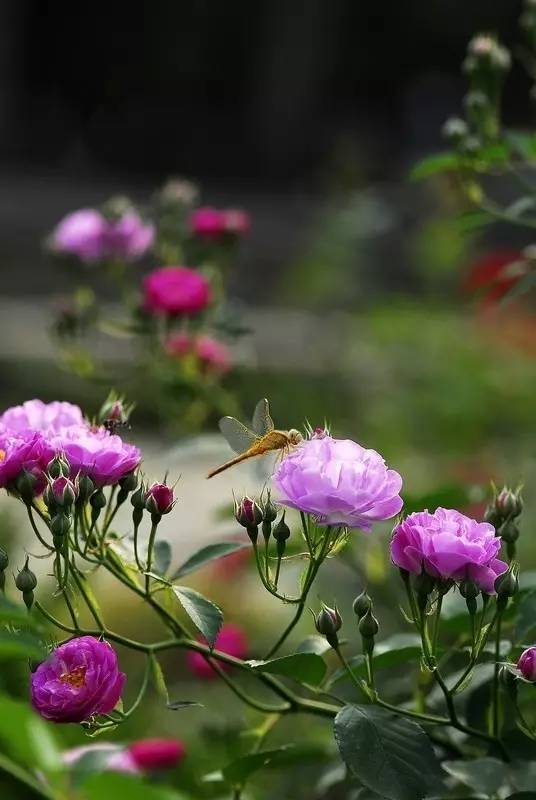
493,275
212,355
231,640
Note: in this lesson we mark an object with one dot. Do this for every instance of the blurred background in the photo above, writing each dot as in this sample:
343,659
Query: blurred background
352,281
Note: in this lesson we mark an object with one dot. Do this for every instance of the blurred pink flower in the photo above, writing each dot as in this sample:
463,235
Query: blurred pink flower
144,755
129,237
213,224
81,233
448,545
338,482
79,679
231,640
176,290
214,356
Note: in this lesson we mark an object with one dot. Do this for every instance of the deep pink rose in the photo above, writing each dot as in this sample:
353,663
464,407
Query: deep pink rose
176,290
231,640
79,679
154,754
527,664
338,482
23,451
83,234
214,224
159,498
236,222
448,545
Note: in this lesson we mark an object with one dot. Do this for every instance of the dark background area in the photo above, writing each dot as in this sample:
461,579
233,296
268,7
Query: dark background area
270,105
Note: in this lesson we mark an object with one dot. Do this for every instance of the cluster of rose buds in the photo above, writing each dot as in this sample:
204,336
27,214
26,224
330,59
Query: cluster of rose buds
503,513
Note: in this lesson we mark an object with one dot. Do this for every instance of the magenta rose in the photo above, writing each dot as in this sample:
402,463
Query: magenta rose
231,640
103,456
142,756
338,482
129,237
527,664
159,499
176,290
448,545
23,451
79,680
82,234
213,224
34,415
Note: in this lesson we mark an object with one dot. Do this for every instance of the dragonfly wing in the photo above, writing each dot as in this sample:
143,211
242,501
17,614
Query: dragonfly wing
237,435
262,421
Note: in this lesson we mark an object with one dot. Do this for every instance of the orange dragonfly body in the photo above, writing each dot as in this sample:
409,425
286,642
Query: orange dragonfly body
258,440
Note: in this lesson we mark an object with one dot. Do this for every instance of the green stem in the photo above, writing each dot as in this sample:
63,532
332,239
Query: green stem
143,689
36,530
495,694
150,548
353,677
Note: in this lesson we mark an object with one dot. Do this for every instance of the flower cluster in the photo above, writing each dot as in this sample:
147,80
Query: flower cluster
33,433
92,237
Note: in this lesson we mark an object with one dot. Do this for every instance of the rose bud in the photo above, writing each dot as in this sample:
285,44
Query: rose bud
62,492
249,514
86,487
281,533
58,466
328,622
362,604
25,485
26,583
159,499
527,664
4,561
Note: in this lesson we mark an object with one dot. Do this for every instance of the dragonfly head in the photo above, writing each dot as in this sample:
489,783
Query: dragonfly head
294,436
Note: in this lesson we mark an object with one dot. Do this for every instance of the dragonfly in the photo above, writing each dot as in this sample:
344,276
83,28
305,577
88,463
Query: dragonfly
258,440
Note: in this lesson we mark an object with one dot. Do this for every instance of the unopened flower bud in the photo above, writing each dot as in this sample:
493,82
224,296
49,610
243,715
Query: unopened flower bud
424,585
269,511
362,604
327,622
25,485
60,525
138,497
281,533
455,130
470,591
97,502
62,491
115,411
507,584
509,502
509,531
86,487
129,482
159,499
58,466
249,514
368,625
26,580
527,664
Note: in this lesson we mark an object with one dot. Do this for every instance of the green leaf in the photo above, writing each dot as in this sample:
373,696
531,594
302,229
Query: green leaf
434,165
159,680
303,667
178,704
20,645
161,556
207,554
238,771
524,144
112,785
388,754
526,618
487,775
16,614
26,737
314,644
205,615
